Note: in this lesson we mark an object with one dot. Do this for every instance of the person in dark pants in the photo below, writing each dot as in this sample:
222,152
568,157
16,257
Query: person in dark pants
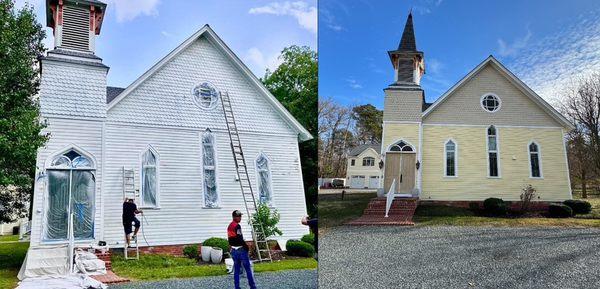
129,211
239,251
314,228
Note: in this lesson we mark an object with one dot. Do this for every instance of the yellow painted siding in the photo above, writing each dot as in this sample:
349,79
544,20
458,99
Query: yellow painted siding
392,132
472,182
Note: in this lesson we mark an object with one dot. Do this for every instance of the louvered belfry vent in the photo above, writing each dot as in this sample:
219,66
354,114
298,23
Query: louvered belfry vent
76,28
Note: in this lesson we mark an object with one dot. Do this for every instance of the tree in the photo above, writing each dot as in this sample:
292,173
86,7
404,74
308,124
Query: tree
268,219
294,83
369,122
578,155
20,46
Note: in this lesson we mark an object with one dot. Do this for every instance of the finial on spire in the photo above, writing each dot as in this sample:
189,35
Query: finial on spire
408,41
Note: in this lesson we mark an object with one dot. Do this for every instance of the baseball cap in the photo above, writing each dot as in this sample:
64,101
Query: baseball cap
236,213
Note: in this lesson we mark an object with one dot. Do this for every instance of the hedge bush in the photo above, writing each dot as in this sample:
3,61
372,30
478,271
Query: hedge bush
560,211
495,207
191,251
217,242
299,248
579,206
309,238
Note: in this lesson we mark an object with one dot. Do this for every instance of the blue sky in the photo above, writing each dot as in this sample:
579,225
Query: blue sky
548,44
138,33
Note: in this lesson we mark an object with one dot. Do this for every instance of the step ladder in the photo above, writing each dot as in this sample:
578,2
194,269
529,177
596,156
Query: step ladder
129,192
263,252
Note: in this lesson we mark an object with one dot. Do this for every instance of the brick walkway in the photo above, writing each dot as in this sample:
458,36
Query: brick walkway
110,278
400,214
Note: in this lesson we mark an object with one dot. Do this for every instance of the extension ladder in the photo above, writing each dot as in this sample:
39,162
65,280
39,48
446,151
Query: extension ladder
258,233
129,192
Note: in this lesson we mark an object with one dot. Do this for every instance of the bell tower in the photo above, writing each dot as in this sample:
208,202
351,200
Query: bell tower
408,62
75,23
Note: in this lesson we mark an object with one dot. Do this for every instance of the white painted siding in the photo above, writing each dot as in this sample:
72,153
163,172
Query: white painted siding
85,134
165,97
181,218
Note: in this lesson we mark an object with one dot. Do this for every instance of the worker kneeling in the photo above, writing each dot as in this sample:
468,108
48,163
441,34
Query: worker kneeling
129,220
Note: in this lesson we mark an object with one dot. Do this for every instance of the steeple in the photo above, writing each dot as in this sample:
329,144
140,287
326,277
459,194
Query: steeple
408,42
408,62
75,23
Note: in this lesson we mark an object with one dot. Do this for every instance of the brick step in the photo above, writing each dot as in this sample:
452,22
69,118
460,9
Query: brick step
110,278
391,212
400,214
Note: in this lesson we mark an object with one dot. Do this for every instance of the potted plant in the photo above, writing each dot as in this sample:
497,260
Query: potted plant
216,255
205,252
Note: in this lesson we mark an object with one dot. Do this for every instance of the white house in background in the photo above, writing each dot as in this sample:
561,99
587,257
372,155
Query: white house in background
168,126
362,171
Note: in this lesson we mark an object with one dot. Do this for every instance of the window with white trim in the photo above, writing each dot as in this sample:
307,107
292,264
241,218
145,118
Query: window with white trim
263,172
149,179
401,146
352,162
450,154
368,162
205,95
492,148
490,102
209,163
534,161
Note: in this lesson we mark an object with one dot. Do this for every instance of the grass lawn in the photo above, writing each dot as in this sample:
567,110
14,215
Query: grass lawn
9,238
11,257
333,211
155,267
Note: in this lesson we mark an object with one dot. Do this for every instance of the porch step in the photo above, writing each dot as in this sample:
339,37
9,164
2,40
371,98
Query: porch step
400,214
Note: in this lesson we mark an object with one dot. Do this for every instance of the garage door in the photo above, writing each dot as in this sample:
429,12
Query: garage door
357,182
373,182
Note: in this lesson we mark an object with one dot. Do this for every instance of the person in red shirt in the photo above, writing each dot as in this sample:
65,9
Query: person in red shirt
239,251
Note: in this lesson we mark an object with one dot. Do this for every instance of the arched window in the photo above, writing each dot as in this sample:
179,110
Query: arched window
535,168
263,172
209,163
368,162
401,146
149,176
71,190
492,148
451,163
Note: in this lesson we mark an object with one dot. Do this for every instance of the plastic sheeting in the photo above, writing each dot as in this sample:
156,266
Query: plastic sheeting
44,261
211,197
264,179
89,264
76,281
149,179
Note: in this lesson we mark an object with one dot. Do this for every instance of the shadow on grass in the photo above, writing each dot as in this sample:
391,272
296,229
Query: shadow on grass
335,211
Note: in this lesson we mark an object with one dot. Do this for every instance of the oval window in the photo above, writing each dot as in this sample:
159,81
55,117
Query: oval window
205,95
490,102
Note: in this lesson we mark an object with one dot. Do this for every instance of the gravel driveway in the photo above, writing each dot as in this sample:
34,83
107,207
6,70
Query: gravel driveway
293,279
459,257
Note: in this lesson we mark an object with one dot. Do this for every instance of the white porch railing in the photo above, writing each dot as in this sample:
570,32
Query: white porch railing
24,229
390,197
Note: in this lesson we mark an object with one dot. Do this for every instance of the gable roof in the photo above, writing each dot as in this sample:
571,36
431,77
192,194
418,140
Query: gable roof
491,60
361,148
207,32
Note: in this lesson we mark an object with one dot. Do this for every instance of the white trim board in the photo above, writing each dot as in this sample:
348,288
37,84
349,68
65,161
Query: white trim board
514,80
206,31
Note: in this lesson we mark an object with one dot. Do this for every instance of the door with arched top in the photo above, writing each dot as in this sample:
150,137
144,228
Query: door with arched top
400,166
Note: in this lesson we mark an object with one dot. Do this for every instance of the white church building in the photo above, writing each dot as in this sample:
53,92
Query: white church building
167,127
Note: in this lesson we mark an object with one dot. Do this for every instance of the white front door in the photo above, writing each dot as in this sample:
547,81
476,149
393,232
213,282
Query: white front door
373,182
357,182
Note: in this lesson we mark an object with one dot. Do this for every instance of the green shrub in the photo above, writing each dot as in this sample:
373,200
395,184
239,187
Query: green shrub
560,211
267,219
217,242
191,251
495,207
474,207
299,248
309,238
579,206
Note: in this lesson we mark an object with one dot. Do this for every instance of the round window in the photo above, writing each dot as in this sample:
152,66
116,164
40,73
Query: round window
205,95
490,102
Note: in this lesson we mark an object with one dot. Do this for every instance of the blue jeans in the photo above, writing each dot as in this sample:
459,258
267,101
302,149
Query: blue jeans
241,258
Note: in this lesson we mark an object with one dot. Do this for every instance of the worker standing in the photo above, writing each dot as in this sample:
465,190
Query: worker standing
239,251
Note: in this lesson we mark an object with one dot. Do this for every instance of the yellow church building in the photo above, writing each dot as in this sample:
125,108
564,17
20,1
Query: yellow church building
489,135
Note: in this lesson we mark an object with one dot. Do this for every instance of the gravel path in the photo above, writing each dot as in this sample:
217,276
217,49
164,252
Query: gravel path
293,279
459,257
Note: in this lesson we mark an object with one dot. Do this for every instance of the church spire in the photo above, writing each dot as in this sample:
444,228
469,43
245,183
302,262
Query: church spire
408,42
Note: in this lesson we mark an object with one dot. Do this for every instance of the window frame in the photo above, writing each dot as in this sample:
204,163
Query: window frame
48,166
494,95
445,159
539,157
215,168
271,204
149,148
366,161
352,162
198,103
497,151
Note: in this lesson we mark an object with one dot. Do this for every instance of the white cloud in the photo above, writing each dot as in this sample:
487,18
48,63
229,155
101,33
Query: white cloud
128,10
505,49
552,63
259,62
166,34
353,83
305,14
434,66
